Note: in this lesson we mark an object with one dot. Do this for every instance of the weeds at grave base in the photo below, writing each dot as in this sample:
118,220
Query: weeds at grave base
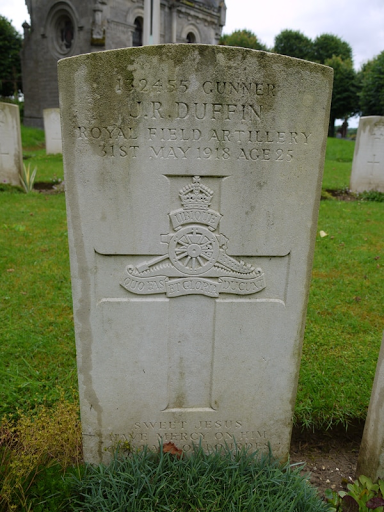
11,189
371,195
35,452
363,495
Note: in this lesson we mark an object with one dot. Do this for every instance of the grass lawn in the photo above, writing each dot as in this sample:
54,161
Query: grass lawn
345,317
338,164
345,313
49,167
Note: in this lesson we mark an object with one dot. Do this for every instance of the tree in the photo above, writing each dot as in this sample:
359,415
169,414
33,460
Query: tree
336,53
243,38
294,44
326,46
345,101
10,63
371,93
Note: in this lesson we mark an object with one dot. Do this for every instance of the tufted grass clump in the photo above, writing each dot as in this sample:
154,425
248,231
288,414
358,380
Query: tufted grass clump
35,451
219,481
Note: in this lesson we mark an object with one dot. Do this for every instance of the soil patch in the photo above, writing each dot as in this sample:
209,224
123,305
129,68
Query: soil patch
330,457
49,187
342,195
43,185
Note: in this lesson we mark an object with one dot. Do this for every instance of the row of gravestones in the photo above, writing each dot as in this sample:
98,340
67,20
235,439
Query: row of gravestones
193,180
11,155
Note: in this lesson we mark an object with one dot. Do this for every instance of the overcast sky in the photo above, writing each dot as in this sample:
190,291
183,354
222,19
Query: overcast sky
359,22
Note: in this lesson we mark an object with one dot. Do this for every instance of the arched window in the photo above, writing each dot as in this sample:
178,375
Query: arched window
137,37
60,27
191,38
65,32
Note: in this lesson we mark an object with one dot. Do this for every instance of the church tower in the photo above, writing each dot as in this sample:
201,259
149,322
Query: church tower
63,28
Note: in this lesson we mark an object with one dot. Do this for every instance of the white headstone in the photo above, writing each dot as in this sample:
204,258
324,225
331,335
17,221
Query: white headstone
193,177
11,153
371,455
368,160
52,129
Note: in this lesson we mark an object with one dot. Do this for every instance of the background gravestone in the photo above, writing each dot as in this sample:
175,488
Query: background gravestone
193,178
11,155
368,160
52,129
371,455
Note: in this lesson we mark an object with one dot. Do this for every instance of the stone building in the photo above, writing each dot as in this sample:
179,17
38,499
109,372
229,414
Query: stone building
62,28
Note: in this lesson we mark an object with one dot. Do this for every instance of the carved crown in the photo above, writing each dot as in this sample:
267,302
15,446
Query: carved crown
196,196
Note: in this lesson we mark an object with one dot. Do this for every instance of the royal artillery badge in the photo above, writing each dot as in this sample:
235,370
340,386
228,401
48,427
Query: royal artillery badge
197,261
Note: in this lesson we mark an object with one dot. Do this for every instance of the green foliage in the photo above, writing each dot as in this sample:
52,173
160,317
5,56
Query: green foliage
363,495
344,94
10,64
243,38
27,178
372,87
219,481
326,46
334,52
294,44
371,195
331,50
35,451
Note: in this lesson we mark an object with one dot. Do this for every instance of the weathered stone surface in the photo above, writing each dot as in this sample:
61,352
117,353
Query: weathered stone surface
11,155
193,178
371,455
52,129
368,160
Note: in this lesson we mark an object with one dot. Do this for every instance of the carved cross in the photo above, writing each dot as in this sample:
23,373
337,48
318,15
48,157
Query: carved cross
196,264
377,141
373,162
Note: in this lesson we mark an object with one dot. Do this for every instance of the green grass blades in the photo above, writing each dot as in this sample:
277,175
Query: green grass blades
32,138
50,167
37,350
219,481
345,317
338,164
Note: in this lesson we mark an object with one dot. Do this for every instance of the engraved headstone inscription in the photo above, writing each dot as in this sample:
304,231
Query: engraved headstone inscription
52,129
193,178
11,155
371,454
368,159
